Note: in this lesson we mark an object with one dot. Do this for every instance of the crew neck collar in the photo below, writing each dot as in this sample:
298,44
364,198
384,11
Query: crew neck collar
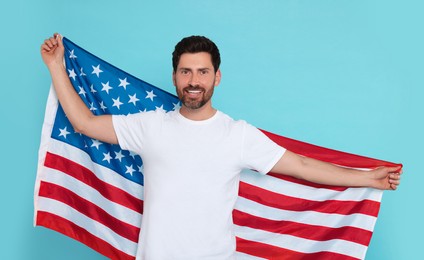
212,118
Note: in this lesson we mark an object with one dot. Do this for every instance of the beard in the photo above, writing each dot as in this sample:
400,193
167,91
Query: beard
195,103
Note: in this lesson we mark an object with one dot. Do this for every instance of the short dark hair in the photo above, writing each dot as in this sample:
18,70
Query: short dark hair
195,44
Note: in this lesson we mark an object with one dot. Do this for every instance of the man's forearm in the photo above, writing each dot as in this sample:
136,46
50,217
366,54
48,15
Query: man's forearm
329,174
75,109
321,172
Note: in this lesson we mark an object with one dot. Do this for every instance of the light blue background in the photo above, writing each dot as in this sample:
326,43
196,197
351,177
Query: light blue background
343,74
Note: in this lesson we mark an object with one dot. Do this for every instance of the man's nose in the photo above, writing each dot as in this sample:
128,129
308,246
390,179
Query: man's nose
194,79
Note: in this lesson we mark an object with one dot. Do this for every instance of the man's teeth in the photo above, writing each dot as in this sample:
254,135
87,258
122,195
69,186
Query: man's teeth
194,91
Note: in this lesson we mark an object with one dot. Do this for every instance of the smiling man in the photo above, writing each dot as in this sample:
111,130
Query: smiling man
193,156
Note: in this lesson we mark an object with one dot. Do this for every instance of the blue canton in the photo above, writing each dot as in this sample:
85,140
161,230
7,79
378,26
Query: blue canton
106,89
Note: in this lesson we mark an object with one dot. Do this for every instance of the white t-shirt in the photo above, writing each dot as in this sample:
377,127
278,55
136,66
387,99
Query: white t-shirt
191,177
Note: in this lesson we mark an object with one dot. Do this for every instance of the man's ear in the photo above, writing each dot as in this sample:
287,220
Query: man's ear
217,77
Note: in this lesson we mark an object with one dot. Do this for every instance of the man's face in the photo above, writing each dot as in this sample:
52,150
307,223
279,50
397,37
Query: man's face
195,79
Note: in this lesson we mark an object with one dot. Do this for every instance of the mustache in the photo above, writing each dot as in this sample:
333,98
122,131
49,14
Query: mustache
193,88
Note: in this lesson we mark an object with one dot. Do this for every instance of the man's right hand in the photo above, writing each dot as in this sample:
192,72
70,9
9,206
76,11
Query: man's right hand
52,51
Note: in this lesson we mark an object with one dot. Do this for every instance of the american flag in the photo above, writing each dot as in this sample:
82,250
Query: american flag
93,191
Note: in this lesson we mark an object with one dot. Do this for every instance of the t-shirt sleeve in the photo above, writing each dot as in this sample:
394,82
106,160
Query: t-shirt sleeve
259,152
129,131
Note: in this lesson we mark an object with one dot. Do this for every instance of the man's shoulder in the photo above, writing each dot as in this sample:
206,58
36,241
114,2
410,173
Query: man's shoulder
233,123
145,115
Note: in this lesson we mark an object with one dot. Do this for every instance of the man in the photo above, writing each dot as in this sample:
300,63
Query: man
193,156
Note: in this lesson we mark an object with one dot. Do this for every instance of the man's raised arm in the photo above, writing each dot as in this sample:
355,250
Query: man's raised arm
81,118
383,178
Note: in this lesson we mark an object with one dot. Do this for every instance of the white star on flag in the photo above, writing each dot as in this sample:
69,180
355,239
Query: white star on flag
116,103
123,83
107,157
130,169
64,132
82,73
133,99
96,143
176,106
119,155
150,95
140,168
72,55
92,107
82,91
96,70
161,109
106,87
92,90
133,154
72,74
102,106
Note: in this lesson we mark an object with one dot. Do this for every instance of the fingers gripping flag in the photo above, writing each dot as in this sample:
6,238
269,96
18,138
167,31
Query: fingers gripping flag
93,191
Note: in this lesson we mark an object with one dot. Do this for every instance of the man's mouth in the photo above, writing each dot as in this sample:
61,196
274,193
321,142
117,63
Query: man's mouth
193,92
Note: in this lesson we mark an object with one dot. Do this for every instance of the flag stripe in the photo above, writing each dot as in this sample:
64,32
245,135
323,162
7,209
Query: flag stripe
89,209
278,185
298,244
267,251
85,175
295,204
306,183
243,256
78,233
326,154
95,228
313,232
83,190
307,217
103,173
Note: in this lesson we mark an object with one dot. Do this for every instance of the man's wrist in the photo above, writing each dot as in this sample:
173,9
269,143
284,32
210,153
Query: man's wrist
55,67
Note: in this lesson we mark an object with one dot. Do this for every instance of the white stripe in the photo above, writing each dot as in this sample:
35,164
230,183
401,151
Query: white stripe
301,244
49,116
103,173
87,192
307,217
243,256
306,192
97,229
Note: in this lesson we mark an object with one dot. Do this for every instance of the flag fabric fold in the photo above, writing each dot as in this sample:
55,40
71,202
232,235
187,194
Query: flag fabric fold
93,191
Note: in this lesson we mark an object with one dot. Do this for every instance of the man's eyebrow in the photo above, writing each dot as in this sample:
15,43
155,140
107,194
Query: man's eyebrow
190,69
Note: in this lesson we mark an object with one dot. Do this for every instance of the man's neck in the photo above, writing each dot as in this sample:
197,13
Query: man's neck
199,114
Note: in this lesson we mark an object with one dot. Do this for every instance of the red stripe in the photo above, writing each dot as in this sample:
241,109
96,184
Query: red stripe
85,175
311,232
306,183
277,253
327,155
91,210
70,229
280,201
